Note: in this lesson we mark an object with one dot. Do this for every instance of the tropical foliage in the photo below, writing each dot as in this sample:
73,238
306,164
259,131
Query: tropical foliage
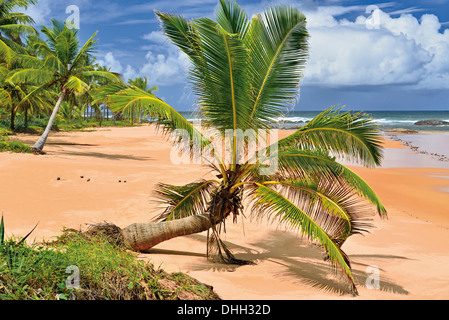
245,73
49,74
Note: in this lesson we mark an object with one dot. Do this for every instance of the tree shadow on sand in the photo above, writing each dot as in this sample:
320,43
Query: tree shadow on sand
302,261
109,156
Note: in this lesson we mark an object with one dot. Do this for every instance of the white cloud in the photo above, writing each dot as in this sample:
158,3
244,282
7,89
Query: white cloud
403,50
155,36
162,69
40,12
111,62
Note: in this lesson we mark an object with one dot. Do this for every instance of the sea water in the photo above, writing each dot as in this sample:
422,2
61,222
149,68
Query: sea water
431,143
385,119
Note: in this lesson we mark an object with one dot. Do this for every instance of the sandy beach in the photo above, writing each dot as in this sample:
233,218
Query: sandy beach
409,249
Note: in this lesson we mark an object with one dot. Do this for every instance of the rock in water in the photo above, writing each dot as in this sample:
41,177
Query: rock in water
432,123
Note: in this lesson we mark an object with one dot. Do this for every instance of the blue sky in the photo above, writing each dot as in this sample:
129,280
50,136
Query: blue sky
366,55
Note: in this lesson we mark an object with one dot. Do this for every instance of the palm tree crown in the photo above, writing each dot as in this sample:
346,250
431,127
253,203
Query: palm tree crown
245,73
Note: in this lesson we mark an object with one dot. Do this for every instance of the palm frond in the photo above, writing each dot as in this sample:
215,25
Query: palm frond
76,84
6,53
182,34
18,29
30,75
95,75
278,46
184,201
350,136
84,52
165,115
334,205
314,164
221,81
231,17
273,203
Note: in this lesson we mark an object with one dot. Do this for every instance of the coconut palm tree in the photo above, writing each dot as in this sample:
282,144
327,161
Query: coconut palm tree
246,73
14,97
62,63
13,25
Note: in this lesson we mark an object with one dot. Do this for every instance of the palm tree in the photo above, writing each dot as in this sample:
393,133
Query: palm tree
15,96
13,25
62,64
245,73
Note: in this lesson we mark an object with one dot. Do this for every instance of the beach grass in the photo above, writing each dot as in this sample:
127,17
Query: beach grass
107,271
13,146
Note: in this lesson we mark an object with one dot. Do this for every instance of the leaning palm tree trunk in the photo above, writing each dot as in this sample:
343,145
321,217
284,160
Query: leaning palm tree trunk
39,145
144,236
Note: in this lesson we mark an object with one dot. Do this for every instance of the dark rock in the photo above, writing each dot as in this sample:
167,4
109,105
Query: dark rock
431,123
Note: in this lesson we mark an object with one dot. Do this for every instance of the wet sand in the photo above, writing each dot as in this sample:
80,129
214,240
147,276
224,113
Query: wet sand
409,248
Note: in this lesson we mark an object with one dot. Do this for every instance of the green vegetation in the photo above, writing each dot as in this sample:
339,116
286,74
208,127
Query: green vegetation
107,271
49,77
6,144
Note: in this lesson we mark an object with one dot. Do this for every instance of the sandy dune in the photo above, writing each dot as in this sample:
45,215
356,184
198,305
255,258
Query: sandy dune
409,248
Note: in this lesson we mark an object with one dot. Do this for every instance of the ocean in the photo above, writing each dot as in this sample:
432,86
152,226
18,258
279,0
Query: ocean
385,119
430,144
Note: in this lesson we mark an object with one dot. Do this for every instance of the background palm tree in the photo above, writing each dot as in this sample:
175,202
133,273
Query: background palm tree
246,73
13,25
14,96
62,64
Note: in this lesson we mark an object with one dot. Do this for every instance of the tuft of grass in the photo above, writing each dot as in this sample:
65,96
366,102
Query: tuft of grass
107,271
13,146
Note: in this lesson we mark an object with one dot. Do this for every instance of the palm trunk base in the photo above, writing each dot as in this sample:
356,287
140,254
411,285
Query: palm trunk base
144,236
38,151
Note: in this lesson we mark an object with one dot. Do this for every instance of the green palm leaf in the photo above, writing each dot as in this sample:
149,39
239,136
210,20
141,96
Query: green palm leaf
272,202
182,34
76,84
351,136
231,17
306,165
221,83
184,201
131,97
33,76
278,47
335,206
